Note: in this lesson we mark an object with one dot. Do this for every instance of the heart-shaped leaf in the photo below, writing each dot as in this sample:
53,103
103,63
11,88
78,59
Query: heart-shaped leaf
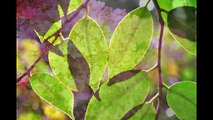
118,98
130,41
54,92
89,39
181,97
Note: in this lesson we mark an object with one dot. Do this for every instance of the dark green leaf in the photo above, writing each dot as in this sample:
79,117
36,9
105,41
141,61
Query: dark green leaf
181,97
182,22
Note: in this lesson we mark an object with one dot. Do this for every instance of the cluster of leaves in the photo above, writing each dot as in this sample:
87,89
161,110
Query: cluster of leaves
81,61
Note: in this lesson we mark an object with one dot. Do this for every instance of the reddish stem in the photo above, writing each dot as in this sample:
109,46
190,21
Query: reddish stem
54,34
160,81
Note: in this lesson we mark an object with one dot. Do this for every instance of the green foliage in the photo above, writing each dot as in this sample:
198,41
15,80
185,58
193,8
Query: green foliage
130,41
53,29
60,66
80,62
118,98
182,26
181,97
60,11
180,16
53,91
147,112
73,5
89,39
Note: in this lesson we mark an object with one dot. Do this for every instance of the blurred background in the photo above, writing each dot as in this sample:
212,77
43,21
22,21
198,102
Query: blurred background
177,63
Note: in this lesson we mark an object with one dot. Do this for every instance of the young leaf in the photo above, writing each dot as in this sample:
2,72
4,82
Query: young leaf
39,36
73,5
53,29
181,97
147,112
130,41
182,26
89,39
60,11
51,90
118,98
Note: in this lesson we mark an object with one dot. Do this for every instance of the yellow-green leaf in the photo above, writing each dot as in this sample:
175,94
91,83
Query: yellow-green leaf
89,39
119,98
130,41
54,92
73,5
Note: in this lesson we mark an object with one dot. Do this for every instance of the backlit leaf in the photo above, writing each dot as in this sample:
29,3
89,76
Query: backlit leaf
73,5
53,91
89,39
147,112
181,97
53,29
60,11
60,66
130,41
118,98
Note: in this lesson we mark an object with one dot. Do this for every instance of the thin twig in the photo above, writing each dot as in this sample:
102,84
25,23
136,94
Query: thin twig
37,60
54,34
160,82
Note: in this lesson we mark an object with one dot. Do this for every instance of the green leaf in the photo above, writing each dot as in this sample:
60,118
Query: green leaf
53,29
51,90
182,22
60,67
39,35
118,98
181,97
189,46
130,41
182,26
89,39
171,4
60,11
73,5
147,112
